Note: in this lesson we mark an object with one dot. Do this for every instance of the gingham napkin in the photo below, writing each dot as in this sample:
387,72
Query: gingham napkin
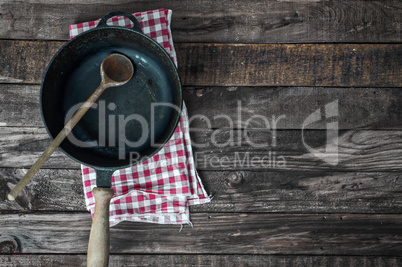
161,189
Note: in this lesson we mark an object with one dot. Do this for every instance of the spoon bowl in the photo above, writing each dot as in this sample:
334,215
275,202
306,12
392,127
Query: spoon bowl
116,69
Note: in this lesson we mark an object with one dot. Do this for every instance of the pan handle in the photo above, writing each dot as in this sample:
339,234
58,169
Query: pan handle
136,27
99,238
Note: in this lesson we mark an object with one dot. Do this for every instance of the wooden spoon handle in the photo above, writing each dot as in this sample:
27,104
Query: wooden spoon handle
56,142
99,239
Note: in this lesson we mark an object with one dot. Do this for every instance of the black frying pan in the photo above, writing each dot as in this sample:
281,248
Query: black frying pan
133,121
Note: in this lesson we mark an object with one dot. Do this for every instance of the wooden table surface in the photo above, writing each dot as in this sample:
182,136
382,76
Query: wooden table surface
267,66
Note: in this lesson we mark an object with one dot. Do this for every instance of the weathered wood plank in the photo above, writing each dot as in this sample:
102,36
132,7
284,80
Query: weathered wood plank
228,149
233,191
369,108
50,189
23,146
289,107
20,105
213,233
25,61
357,65
230,21
291,64
202,260
300,192
307,150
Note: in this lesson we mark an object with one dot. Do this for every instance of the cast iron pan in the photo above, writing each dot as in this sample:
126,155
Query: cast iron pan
133,121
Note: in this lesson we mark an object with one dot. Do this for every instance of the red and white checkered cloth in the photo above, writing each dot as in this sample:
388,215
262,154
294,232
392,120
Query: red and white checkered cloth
161,189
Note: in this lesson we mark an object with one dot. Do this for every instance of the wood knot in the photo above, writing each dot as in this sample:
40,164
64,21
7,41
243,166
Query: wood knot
235,179
8,246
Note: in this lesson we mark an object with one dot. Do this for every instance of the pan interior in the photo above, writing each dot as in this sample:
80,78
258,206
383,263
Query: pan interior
128,122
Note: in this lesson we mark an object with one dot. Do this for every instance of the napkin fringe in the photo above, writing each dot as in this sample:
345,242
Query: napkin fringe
182,225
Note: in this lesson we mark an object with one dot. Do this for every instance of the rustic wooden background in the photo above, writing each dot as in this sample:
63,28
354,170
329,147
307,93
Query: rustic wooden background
274,57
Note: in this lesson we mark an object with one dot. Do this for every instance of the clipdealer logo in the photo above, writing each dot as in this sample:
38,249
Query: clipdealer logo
270,156
234,133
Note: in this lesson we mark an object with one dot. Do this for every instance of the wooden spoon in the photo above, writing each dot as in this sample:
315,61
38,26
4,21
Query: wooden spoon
116,69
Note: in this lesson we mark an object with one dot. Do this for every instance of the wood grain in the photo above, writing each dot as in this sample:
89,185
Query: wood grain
19,145
285,150
25,61
233,191
230,21
213,233
289,107
340,65
201,260
51,189
20,105
368,108
226,149
301,192
291,64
